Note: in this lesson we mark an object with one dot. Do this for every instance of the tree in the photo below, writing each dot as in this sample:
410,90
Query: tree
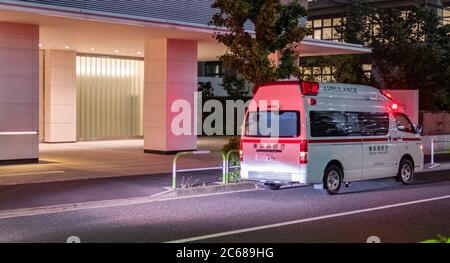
206,89
277,28
237,88
348,68
411,50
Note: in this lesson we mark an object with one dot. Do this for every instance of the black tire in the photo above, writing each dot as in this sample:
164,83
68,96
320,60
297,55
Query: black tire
272,187
332,179
405,172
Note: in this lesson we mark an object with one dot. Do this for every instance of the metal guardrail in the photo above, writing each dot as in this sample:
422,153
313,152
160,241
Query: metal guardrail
178,155
225,165
433,152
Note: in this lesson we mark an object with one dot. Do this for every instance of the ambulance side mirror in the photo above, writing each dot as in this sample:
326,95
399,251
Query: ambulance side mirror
401,128
419,129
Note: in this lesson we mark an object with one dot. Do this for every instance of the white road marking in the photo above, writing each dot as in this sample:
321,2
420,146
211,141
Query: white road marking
167,191
299,221
432,166
45,210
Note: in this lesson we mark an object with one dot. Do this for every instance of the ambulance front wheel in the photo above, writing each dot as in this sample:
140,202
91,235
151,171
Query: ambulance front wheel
406,171
332,180
272,187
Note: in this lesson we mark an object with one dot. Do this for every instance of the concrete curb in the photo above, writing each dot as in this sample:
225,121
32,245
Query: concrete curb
214,188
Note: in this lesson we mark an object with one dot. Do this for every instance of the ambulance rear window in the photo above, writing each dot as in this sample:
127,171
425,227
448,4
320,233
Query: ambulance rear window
273,124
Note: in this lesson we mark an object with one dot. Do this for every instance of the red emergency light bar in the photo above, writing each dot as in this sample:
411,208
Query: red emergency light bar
310,88
387,94
394,107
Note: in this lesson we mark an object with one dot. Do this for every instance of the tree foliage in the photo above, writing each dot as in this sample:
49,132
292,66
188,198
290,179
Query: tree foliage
411,50
206,89
348,68
237,88
277,28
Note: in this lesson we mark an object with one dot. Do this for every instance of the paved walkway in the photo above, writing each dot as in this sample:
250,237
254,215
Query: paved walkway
103,159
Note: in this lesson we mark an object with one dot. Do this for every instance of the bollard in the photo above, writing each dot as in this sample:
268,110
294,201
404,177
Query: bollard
432,151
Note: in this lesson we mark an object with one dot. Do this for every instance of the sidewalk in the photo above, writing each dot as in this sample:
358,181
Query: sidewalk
110,159
441,163
103,159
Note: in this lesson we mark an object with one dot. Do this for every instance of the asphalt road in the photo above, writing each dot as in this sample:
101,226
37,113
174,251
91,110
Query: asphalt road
382,208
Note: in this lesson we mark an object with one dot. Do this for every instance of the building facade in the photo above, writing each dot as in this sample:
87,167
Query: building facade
326,16
89,70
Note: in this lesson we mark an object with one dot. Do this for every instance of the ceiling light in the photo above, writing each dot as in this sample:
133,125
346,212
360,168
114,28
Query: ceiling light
139,53
40,45
92,49
66,47
116,51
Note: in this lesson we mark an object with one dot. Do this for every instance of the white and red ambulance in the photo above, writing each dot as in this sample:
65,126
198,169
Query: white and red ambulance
328,134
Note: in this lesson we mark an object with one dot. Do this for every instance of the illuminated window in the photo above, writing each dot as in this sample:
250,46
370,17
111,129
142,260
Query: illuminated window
317,23
327,33
367,68
319,74
337,21
446,15
326,29
318,34
317,70
110,97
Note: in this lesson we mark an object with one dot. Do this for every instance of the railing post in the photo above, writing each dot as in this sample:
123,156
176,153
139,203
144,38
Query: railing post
432,151
174,171
225,168
177,156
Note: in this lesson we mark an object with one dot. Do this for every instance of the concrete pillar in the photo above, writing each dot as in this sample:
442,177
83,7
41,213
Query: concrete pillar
19,93
60,96
170,75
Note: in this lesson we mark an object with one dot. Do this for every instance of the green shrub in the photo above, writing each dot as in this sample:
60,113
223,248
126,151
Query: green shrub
439,239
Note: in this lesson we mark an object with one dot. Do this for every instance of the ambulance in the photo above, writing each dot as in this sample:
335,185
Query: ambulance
327,134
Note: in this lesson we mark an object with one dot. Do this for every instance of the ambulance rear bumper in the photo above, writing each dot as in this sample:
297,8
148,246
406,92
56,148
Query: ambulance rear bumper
287,176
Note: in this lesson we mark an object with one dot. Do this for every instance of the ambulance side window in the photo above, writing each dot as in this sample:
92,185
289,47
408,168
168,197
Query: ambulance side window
328,123
336,123
403,123
374,123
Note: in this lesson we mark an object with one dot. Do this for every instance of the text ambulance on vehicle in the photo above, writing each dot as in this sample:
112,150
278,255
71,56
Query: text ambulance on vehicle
327,134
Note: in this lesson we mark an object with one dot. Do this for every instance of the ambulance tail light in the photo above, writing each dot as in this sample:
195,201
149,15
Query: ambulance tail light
303,152
312,102
241,152
310,88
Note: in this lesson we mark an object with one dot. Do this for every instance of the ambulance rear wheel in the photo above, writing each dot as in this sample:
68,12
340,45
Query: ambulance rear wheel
272,187
332,180
406,172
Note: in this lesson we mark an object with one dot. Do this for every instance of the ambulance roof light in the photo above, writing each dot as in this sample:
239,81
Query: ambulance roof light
310,88
387,94
394,106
